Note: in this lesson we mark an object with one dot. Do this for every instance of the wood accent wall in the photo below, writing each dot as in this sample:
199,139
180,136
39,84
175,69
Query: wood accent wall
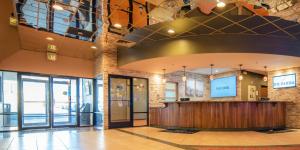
220,115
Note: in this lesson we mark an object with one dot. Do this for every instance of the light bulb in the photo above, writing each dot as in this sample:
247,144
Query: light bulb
221,4
265,78
171,31
117,25
184,78
241,77
57,7
211,77
164,80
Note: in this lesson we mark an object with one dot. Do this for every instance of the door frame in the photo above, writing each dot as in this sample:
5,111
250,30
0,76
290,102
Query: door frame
127,124
52,102
21,101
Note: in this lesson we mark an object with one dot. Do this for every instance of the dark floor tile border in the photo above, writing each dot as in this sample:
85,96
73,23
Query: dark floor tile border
196,147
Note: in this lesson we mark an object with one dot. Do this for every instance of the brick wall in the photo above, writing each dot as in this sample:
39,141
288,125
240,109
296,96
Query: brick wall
287,94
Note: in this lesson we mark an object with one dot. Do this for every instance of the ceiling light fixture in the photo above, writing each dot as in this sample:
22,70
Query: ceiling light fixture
266,74
57,7
117,25
171,31
241,76
184,74
93,47
49,39
164,80
211,77
220,4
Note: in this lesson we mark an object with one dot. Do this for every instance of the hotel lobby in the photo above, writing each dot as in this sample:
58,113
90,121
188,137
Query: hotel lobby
150,74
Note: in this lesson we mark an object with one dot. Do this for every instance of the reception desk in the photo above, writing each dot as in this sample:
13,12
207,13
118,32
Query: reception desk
237,115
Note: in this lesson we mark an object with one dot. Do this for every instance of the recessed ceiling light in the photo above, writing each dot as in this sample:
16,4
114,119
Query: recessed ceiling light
93,47
49,38
117,25
221,4
171,31
57,7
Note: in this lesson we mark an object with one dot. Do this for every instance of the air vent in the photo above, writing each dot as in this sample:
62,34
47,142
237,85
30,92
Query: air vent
125,43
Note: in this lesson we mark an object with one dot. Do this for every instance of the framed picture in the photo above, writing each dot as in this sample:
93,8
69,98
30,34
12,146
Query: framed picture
284,81
199,89
251,92
190,88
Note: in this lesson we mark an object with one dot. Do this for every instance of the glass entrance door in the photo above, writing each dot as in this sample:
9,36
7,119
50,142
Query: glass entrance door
35,101
64,102
120,102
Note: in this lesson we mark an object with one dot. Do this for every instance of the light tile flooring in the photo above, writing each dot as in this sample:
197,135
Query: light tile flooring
141,138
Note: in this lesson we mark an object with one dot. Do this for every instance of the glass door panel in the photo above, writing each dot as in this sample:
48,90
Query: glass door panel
86,102
99,110
120,102
140,102
64,102
35,102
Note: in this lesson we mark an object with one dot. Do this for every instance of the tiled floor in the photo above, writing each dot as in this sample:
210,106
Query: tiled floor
144,138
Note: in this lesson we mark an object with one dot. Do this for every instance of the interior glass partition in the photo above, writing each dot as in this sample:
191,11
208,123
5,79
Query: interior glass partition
64,102
86,102
8,101
120,102
140,102
35,101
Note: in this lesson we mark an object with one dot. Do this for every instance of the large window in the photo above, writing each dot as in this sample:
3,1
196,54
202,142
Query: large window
171,91
8,101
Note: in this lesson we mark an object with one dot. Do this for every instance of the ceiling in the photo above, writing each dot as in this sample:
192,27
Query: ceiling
207,71
35,40
223,61
225,21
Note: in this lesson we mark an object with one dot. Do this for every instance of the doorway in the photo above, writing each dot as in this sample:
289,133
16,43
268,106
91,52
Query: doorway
48,102
128,101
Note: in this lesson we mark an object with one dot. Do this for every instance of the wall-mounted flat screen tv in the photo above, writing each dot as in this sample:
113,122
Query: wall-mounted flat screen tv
223,87
284,81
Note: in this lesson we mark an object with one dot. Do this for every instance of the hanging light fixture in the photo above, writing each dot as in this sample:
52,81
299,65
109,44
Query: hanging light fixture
266,74
241,76
211,77
164,80
57,6
184,74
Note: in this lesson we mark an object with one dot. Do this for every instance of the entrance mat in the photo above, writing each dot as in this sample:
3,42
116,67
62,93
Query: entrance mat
248,148
276,131
184,131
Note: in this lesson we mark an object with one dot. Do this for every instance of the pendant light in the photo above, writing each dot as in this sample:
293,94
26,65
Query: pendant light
220,4
164,80
266,74
241,76
211,77
184,74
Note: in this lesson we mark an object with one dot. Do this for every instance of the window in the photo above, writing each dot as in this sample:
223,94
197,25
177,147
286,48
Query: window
171,91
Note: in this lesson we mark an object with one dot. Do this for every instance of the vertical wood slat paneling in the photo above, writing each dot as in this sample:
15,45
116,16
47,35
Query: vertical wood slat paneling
220,115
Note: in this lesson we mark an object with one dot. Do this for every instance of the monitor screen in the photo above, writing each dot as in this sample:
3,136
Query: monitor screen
223,87
284,81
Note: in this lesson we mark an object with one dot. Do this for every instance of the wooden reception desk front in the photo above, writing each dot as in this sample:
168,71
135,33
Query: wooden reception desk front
240,115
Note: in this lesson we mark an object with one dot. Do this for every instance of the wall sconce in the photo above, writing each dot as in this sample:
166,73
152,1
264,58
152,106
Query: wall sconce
13,21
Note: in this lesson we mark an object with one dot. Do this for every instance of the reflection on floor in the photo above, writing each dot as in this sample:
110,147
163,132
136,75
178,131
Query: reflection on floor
146,138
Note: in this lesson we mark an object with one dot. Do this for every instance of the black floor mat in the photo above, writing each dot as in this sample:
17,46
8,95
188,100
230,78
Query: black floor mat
184,131
276,131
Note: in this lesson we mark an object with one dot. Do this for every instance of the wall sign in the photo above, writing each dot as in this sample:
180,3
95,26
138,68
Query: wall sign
223,87
284,81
